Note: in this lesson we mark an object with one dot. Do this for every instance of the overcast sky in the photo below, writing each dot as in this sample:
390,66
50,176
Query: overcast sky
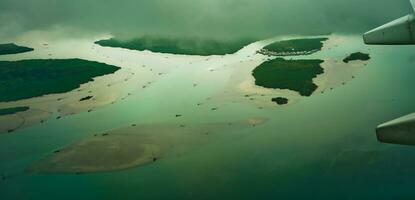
215,18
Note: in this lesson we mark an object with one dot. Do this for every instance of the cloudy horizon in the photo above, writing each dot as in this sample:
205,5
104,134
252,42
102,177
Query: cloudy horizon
202,18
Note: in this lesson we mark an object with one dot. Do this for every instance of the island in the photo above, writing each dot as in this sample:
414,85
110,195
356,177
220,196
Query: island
296,75
12,48
294,47
33,78
86,98
184,46
280,100
356,56
14,110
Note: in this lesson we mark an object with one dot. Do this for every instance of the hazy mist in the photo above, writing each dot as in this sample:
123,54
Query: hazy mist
212,18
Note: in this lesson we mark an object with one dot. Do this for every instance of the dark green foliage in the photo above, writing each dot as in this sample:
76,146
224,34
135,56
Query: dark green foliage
294,75
280,100
32,78
297,45
9,111
86,98
357,56
190,46
13,49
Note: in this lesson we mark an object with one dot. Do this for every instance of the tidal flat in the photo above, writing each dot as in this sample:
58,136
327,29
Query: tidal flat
141,71
134,146
161,101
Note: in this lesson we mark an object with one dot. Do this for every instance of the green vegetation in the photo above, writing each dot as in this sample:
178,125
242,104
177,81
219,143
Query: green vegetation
32,78
357,56
280,100
9,111
86,98
294,75
189,46
294,47
13,49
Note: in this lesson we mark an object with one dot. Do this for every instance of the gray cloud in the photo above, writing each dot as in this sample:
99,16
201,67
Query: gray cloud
215,18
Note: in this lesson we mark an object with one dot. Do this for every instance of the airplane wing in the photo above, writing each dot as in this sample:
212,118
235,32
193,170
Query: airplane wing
398,131
400,31
397,32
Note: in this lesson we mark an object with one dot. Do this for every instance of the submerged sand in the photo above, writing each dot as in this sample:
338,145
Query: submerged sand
134,146
99,154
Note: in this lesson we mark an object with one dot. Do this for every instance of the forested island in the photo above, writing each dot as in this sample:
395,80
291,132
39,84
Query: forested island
294,75
14,110
32,78
185,46
11,48
280,100
294,47
357,56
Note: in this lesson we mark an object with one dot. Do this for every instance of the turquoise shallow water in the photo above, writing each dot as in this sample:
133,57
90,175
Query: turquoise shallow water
323,147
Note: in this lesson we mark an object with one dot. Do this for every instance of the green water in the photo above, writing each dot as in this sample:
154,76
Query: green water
323,147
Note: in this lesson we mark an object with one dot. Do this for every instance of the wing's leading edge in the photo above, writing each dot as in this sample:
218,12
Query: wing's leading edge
397,32
398,131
